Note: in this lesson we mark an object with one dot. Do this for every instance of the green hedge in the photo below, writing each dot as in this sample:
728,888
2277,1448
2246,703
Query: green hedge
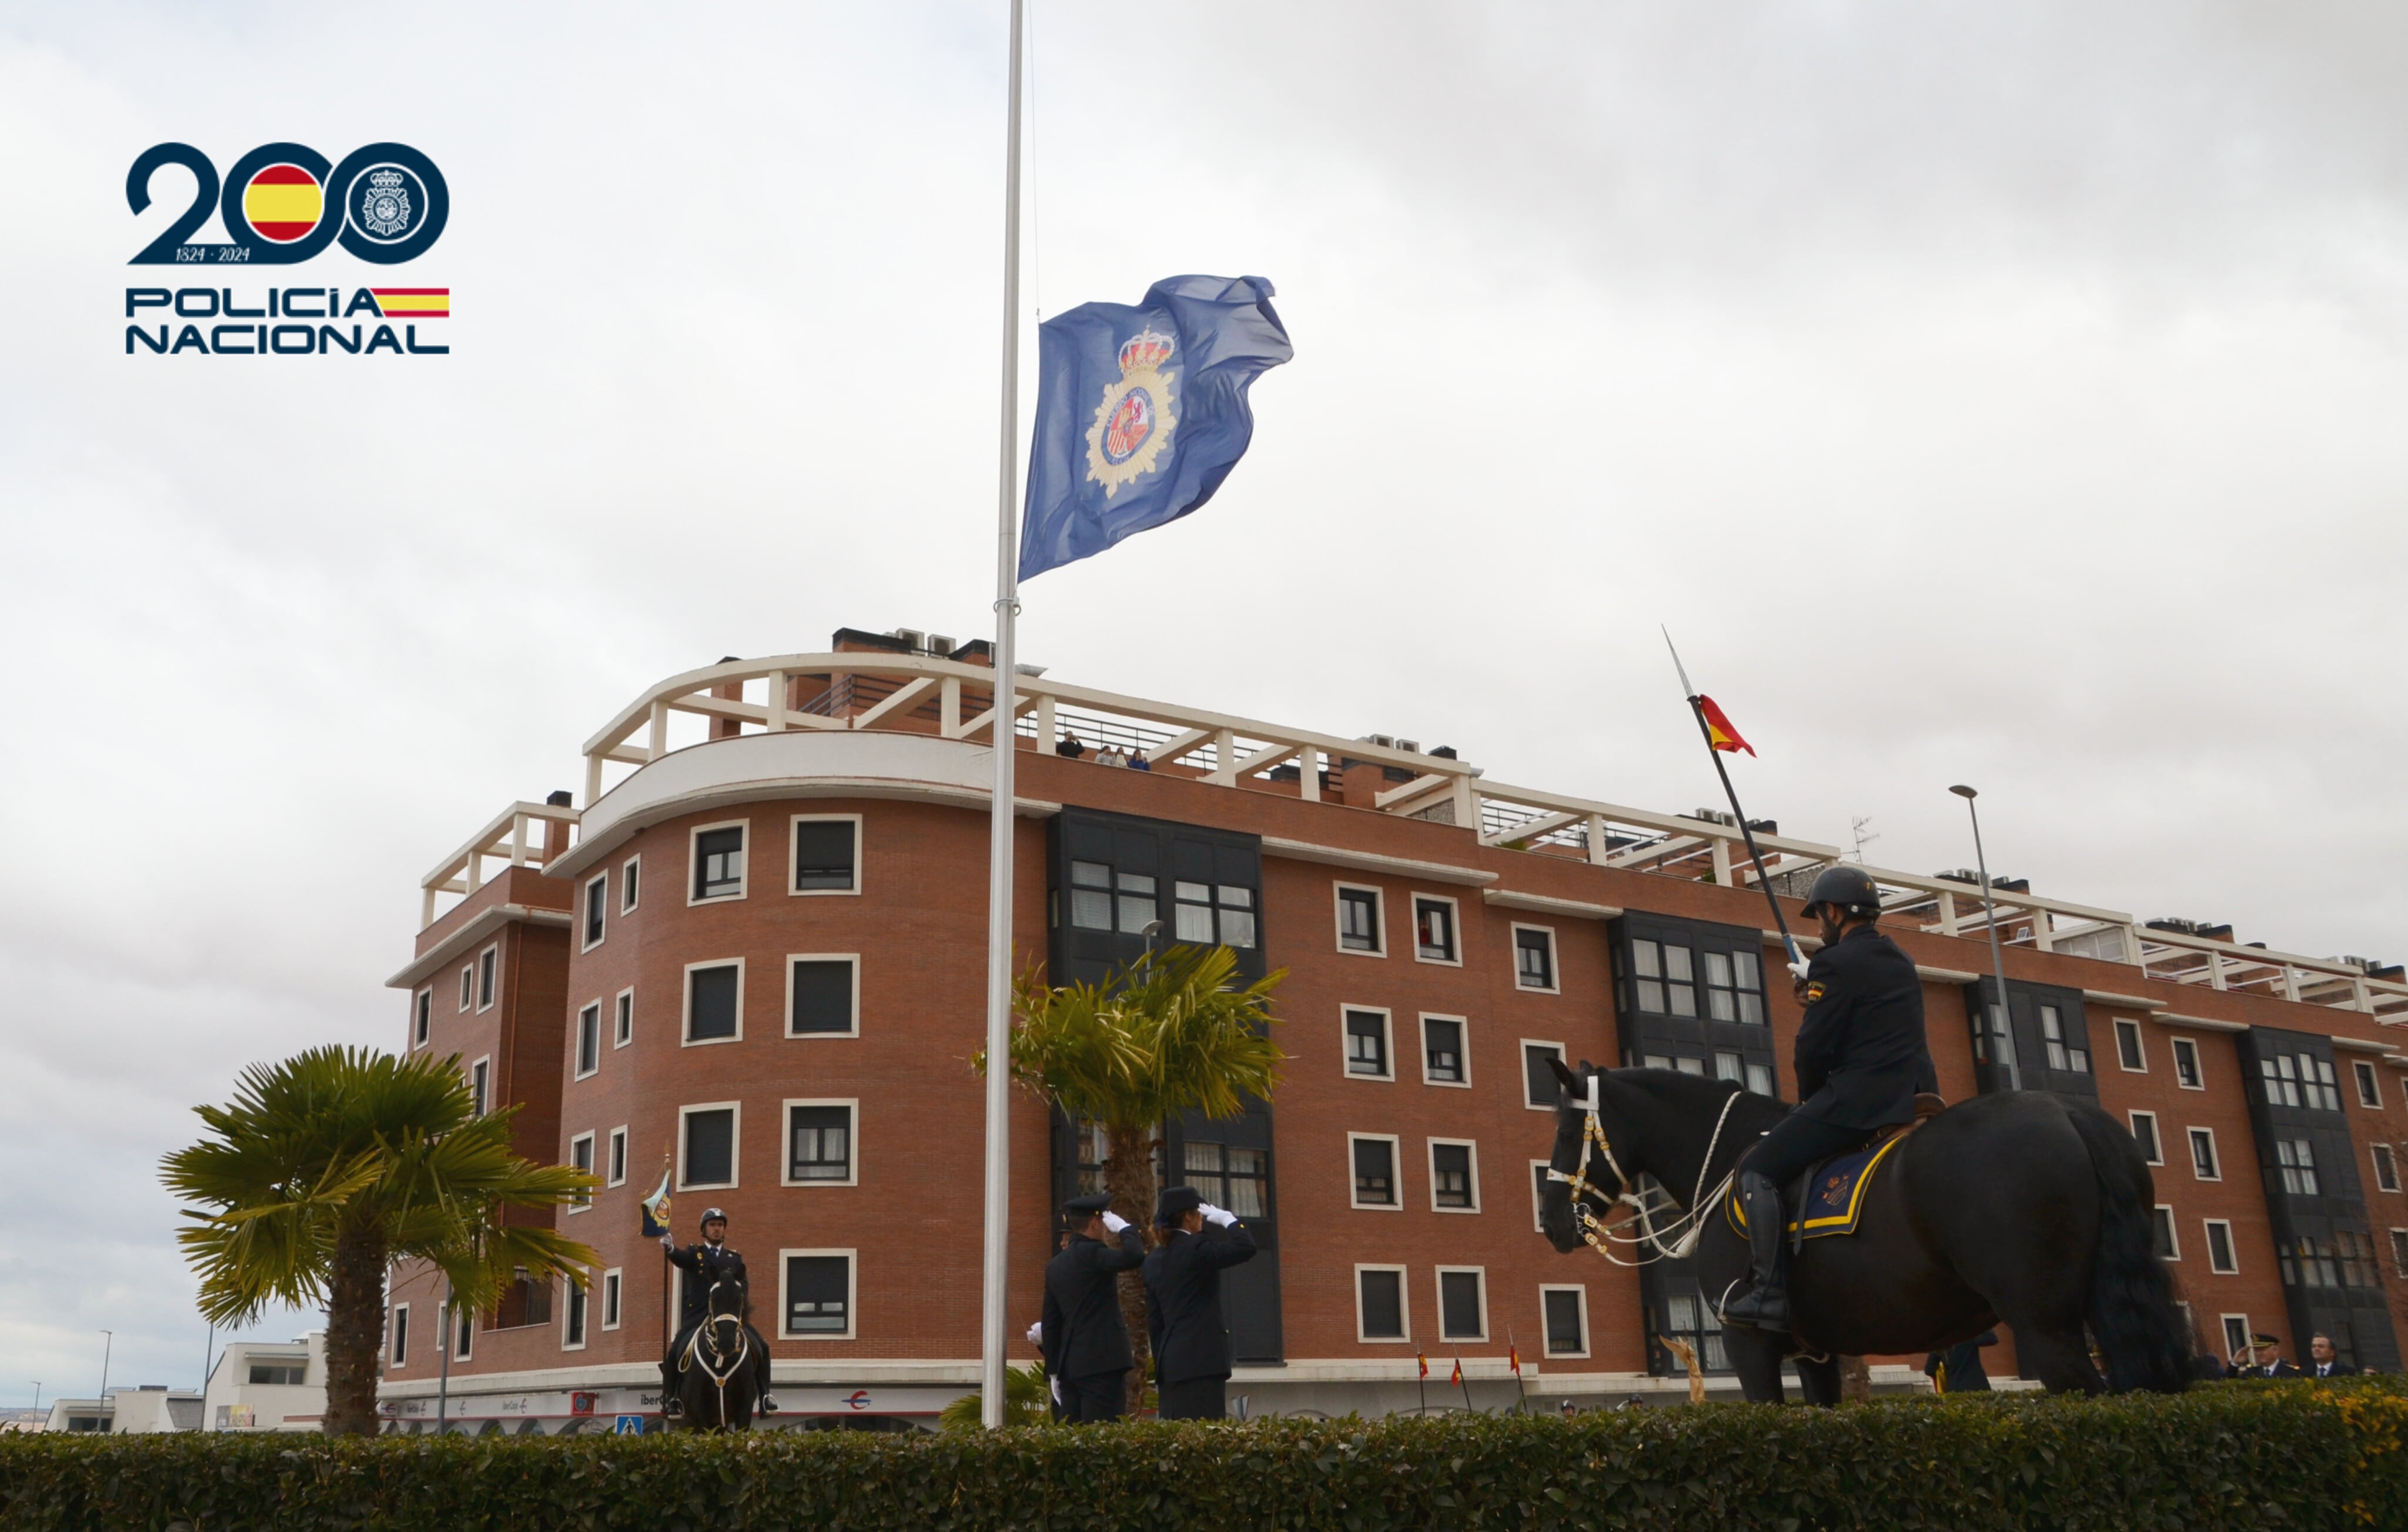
2286,1456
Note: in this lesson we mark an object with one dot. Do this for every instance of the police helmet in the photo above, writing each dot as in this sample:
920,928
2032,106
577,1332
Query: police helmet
1848,889
709,1213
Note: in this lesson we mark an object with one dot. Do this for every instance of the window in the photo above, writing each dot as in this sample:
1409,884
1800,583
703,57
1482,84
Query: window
2236,1334
2144,1133
1366,1045
2356,1251
819,1143
1537,1194
1434,929
480,1075
1760,1079
630,879
2128,1047
1380,1303
622,1031
400,1356
1230,1176
1540,1087
1690,1319
1101,900
426,1016
2400,1252
2313,1264
1375,1170
464,1335
1358,920
1454,1177
487,960
280,1374
1442,1060
2296,1163
2220,1258
818,1299
1193,911
1565,1313
827,854
572,1323
2163,1223
2323,1092
715,1001
589,1039
822,996
1665,980
581,1157
1734,986
2299,1080
2060,1056
2202,1154
613,1289
1462,1306
2370,1090
597,899
1534,957
2386,1170
2186,1073
617,1165
718,863
468,986
709,1135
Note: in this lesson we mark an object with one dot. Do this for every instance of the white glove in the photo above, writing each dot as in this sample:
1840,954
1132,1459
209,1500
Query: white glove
1114,1222
1037,1333
1222,1216
667,1242
1055,1384
1798,971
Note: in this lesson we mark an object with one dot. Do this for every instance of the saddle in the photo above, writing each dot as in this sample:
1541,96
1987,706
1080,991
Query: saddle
1830,1198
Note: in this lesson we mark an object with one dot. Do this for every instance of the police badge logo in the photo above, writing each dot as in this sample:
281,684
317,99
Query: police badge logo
1137,415
385,207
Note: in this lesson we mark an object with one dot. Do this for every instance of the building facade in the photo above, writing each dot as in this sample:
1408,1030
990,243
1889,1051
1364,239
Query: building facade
753,951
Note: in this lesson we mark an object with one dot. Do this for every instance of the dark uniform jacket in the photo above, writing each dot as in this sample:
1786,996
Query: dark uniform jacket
1861,1054
1183,1290
708,1264
1084,1334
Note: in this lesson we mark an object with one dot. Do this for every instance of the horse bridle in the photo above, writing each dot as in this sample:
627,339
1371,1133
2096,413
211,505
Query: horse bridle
1598,1234
694,1351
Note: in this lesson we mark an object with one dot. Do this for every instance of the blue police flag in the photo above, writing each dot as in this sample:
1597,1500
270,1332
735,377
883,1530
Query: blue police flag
1141,412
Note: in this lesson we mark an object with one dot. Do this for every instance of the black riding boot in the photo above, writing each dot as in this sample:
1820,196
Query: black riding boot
1765,1304
672,1407
762,1399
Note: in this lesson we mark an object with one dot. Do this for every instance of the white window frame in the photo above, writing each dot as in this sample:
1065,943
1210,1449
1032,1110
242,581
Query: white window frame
2223,1329
1395,1170
481,1094
851,1104
786,1026
2369,1083
422,1018
685,1000
1554,959
568,1297
631,884
462,1340
1338,917
693,861
1421,1048
617,1156
2385,1159
2157,1133
1563,1056
1430,1158
1438,1295
1387,1031
622,1017
2122,1026
2399,1267
2190,1147
468,986
396,1338
577,1070
1404,1305
1455,921
492,954
1546,1349
593,1146
2173,1229
735,1148
852,1294
2198,1065
2207,1227
794,840
614,1297
1538,1215
586,910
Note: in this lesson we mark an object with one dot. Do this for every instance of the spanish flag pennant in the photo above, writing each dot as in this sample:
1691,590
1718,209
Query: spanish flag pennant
1458,1371
1423,1361
1719,732
1514,1357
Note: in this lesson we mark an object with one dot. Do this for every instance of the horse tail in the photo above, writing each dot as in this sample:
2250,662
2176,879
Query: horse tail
2132,1309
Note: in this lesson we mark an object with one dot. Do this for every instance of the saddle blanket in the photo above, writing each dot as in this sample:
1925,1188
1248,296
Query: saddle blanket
1835,1198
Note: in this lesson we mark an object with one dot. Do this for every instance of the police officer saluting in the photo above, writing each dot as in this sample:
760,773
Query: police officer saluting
1861,1059
1183,1290
1086,1343
707,1263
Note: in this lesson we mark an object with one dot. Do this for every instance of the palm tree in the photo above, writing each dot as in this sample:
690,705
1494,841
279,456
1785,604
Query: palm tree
1175,1033
337,1161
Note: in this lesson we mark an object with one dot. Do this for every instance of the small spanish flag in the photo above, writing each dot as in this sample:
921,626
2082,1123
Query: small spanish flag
1719,732
1514,1357
1458,1370
413,301
1423,1361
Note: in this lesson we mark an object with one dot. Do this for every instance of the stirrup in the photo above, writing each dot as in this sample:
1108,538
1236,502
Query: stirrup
766,1404
1759,1309
672,1407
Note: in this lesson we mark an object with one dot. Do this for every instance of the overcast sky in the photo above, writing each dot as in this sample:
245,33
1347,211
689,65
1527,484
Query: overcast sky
2010,395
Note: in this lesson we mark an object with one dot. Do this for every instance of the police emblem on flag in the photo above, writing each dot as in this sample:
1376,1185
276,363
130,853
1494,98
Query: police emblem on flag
384,204
1134,422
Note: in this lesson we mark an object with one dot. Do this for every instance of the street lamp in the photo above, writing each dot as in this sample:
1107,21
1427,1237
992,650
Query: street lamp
2001,1025
106,1346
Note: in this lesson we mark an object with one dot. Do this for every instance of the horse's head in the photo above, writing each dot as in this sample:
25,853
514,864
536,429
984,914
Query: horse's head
1576,1097
727,1301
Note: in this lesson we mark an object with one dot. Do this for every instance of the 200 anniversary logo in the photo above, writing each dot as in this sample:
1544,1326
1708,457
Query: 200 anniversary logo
281,205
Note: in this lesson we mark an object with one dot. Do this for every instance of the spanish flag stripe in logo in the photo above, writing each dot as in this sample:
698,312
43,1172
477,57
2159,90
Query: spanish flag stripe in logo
282,202
414,301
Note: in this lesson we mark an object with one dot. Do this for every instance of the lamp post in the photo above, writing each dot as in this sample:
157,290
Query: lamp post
2003,1039
106,1346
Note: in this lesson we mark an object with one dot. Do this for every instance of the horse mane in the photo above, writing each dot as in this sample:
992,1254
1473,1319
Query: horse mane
1687,1108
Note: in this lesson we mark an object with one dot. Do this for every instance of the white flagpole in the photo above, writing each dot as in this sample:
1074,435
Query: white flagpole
1003,735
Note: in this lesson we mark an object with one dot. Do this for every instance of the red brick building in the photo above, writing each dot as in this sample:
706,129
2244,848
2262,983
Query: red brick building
755,946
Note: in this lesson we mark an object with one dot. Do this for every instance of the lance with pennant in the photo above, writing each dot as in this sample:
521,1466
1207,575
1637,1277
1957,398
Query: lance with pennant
1721,739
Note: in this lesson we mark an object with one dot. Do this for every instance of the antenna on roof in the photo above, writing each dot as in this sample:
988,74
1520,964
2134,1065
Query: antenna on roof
1856,828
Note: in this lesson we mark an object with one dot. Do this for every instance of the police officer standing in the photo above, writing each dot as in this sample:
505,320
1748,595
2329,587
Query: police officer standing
1183,1290
707,1263
1085,1341
1861,1059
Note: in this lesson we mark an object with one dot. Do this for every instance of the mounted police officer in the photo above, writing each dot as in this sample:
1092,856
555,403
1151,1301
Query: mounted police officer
1861,1059
1086,1342
706,1263
1183,1290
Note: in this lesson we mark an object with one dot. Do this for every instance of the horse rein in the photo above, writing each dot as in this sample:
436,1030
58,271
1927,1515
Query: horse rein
695,1353
1599,1235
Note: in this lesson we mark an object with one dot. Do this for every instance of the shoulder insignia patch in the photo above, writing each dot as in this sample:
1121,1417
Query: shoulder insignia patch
1814,991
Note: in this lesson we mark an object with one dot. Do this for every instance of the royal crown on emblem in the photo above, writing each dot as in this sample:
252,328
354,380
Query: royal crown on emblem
384,180
1145,351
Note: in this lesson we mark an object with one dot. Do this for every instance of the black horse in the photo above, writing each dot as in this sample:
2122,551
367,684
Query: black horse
2023,1209
715,1379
